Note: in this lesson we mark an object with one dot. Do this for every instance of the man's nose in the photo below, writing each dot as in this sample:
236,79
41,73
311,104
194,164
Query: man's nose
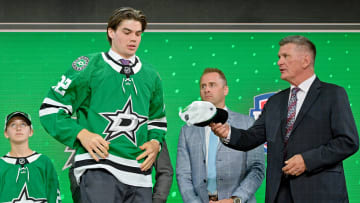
133,37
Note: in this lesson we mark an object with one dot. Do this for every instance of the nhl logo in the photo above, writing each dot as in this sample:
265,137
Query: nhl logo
22,161
80,63
127,70
259,102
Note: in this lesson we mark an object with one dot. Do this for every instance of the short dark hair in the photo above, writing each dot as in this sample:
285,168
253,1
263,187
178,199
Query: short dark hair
125,13
215,70
300,41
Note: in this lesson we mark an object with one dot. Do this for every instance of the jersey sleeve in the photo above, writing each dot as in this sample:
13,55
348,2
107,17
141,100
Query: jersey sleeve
52,183
62,101
157,124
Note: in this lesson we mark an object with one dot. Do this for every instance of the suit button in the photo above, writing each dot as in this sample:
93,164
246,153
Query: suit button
204,181
204,161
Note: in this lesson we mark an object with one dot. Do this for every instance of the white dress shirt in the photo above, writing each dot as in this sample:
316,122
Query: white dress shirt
117,57
301,94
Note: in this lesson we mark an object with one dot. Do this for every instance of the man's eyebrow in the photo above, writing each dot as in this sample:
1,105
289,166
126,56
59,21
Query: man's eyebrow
130,30
126,29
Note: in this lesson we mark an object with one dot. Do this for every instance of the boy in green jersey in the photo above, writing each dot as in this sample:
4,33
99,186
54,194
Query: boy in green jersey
25,175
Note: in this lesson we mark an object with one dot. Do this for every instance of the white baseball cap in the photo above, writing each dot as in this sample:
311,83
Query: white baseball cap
202,113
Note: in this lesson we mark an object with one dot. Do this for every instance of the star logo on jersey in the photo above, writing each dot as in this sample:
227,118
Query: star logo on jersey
80,63
24,197
70,160
123,122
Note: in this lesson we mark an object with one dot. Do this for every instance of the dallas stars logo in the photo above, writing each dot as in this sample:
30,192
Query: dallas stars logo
80,63
24,197
123,122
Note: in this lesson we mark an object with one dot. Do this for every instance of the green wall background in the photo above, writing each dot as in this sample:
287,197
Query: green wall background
32,62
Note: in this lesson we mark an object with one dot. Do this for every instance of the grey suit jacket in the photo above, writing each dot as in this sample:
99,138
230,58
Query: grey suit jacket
238,173
324,133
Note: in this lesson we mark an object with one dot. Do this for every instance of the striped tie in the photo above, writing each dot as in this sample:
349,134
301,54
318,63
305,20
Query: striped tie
291,113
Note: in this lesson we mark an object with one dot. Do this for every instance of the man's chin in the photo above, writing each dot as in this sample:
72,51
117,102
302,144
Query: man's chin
209,100
283,76
132,51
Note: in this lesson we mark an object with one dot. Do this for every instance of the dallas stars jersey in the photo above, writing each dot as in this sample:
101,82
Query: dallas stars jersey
28,179
123,104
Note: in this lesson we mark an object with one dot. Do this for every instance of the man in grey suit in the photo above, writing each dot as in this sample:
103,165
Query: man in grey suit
309,129
205,168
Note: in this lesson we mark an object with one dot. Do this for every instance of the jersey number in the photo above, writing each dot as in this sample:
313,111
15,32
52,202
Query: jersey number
62,86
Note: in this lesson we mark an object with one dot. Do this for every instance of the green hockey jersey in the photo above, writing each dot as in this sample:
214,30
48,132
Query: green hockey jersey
28,179
123,104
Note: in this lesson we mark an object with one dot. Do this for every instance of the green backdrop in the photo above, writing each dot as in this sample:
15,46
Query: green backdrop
32,62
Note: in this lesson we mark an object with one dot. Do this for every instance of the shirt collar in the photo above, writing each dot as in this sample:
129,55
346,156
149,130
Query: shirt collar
305,86
117,57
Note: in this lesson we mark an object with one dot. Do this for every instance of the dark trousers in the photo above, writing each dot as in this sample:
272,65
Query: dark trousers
99,186
284,192
74,187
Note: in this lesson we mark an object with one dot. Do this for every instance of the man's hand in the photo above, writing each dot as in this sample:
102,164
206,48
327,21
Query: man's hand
223,201
294,166
94,144
151,148
220,130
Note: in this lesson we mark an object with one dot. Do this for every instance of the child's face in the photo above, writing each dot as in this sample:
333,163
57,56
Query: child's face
17,130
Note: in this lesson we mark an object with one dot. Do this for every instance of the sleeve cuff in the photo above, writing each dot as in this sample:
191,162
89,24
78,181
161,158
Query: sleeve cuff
227,139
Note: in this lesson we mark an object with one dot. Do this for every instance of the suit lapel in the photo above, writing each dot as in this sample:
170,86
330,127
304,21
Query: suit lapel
310,98
203,141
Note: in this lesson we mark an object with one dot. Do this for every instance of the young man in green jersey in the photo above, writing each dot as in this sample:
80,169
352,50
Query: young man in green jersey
25,175
120,123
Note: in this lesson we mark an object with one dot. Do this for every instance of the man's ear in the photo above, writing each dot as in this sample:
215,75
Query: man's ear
306,61
226,90
111,32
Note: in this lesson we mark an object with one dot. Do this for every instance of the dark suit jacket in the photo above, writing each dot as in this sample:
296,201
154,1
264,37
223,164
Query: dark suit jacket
324,133
163,176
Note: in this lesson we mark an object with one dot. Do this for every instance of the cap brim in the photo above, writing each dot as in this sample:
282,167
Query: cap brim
221,116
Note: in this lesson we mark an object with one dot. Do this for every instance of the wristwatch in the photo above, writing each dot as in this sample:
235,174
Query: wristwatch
236,199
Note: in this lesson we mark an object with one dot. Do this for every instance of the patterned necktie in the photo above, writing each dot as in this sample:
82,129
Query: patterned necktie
291,113
212,148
